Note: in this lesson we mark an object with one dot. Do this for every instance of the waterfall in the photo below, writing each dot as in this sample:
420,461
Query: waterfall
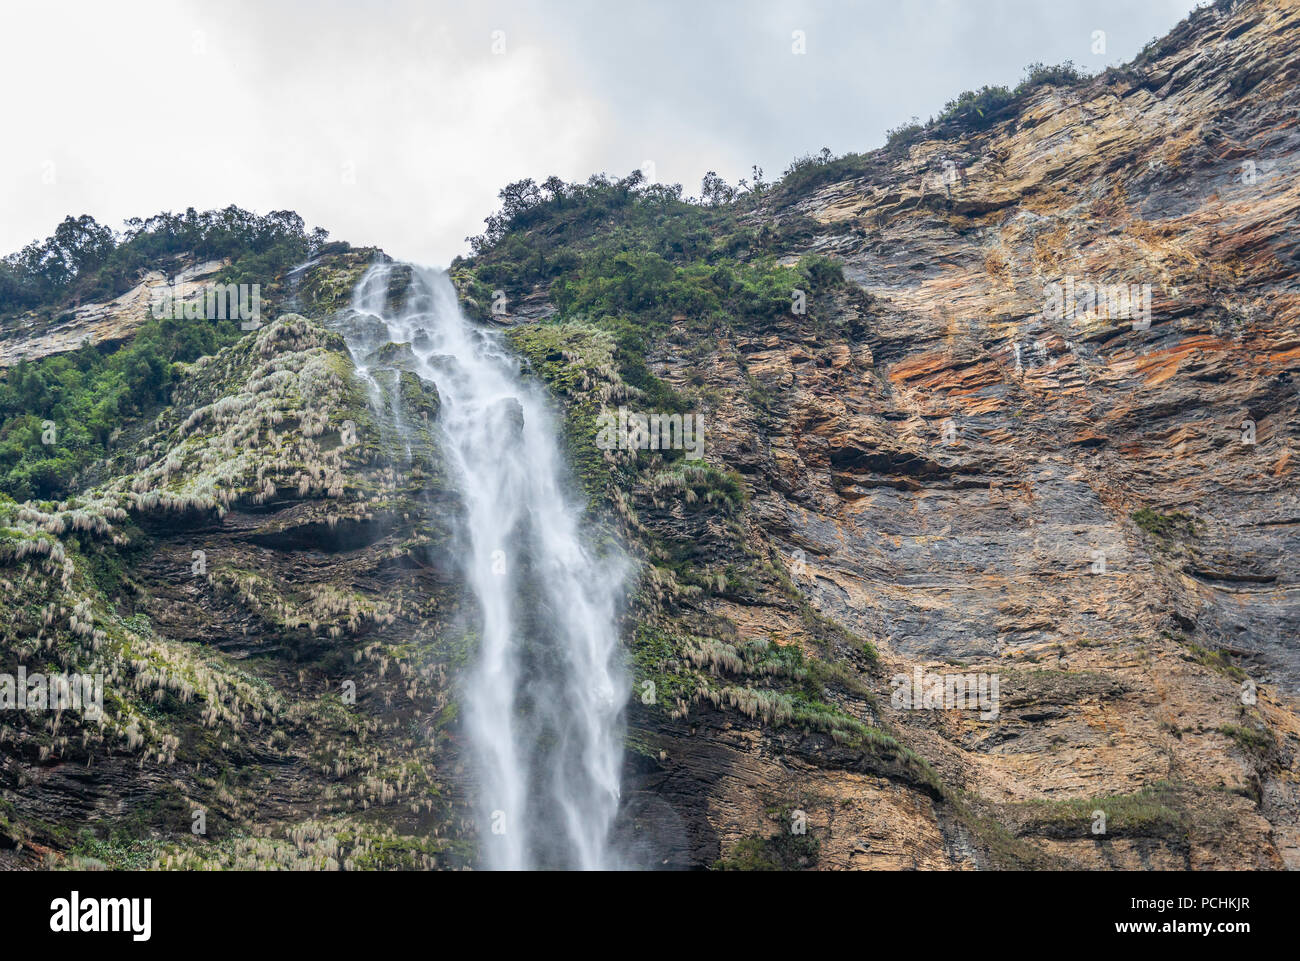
543,701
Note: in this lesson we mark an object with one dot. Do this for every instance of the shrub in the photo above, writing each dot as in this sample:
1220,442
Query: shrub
87,260
1059,75
976,108
1159,525
781,852
904,133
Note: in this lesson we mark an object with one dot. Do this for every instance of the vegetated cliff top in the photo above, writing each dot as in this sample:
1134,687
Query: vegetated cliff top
1219,67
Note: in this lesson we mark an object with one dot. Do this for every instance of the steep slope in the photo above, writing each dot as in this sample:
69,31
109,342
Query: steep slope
259,583
1099,510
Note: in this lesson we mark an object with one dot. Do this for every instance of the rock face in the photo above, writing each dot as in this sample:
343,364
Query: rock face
982,473
994,490
105,323
1040,438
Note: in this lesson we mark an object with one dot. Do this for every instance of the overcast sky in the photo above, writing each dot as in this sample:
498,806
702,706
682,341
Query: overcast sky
396,123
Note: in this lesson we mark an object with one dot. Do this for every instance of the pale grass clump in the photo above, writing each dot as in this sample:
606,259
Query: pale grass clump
661,587
230,449
333,845
80,632
92,515
323,605
711,654
770,707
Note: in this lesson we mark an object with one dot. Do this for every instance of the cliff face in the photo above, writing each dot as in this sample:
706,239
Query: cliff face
1100,509
952,461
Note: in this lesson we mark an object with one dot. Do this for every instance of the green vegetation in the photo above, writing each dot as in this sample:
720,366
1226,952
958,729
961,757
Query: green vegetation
637,295
646,284
577,363
687,671
1152,811
85,260
634,260
979,109
59,414
1059,75
578,231
1004,850
1250,739
703,485
904,133
117,852
1219,661
780,852
335,844
1164,525
541,230
976,108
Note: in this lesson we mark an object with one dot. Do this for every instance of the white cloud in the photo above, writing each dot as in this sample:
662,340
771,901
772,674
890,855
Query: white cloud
152,106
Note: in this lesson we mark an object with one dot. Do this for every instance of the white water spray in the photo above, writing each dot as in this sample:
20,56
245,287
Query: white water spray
544,701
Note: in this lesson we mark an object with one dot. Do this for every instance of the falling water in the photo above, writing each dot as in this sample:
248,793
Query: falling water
543,702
